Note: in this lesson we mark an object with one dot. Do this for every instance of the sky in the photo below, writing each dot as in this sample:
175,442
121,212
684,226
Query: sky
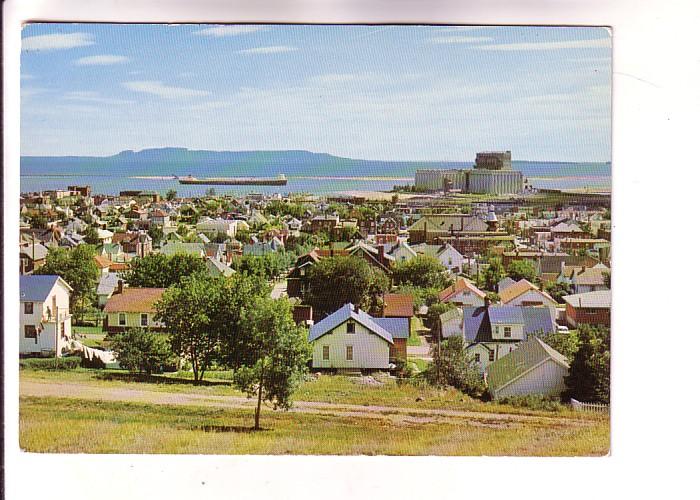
419,93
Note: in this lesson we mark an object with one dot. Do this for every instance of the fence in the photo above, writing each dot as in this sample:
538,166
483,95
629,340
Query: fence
589,407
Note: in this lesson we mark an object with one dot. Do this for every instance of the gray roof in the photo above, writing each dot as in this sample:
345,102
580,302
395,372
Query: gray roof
398,327
599,299
218,267
505,283
343,314
478,320
36,288
40,251
107,284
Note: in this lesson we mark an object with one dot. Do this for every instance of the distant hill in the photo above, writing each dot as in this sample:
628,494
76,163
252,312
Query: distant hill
182,161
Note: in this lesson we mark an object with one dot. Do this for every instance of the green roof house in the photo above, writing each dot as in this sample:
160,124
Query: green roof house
532,368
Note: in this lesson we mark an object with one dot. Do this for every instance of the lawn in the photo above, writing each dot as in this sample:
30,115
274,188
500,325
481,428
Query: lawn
79,426
91,336
416,326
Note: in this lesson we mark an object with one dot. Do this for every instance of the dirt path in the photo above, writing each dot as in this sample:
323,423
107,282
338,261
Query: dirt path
395,414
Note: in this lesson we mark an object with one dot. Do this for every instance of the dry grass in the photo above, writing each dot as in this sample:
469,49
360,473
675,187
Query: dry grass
78,426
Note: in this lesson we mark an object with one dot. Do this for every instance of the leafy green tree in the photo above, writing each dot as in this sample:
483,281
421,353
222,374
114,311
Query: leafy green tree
452,365
423,271
589,372
142,351
91,237
78,268
220,237
156,234
558,290
38,221
421,296
522,269
157,270
335,281
493,274
171,195
201,311
275,355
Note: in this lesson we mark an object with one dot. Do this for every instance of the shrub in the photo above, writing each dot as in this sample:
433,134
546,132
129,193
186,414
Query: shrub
142,351
534,402
453,366
67,363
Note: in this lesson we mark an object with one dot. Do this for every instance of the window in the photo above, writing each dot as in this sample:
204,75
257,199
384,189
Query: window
477,357
350,328
492,355
29,332
29,308
302,272
326,353
348,353
506,331
122,319
144,319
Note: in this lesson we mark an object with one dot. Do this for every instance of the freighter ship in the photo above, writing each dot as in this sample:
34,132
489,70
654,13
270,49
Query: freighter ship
280,180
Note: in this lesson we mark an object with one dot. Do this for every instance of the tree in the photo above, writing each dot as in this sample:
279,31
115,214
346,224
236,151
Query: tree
589,372
423,271
522,269
275,355
156,234
220,237
566,343
38,221
157,270
493,274
142,351
335,281
558,290
77,267
202,311
171,195
91,236
452,365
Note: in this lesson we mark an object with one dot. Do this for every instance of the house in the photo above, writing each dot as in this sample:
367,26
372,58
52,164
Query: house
297,279
532,368
448,256
176,247
349,338
403,252
398,305
105,236
212,227
505,283
159,218
451,323
323,223
592,308
585,279
137,243
218,268
106,286
463,293
44,315
374,256
492,332
131,308
429,228
524,293
103,263
32,257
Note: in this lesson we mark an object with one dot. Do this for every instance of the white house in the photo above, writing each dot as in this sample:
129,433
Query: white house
532,368
212,227
352,339
464,293
44,316
524,293
403,252
451,323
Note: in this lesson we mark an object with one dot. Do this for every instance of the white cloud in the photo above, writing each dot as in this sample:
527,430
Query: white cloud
57,42
157,88
91,96
101,60
276,49
460,39
603,43
235,30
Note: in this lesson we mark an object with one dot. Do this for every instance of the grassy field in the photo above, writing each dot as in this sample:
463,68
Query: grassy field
416,325
77,426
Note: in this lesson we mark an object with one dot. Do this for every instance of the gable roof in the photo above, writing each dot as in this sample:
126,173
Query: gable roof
176,247
398,327
598,299
398,305
517,289
517,363
140,300
478,320
218,268
35,288
107,284
460,285
505,283
39,252
343,314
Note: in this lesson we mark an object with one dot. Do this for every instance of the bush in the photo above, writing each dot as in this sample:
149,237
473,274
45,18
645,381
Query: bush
142,351
67,363
453,366
533,402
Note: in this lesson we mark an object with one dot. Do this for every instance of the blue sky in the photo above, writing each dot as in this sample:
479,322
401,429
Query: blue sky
372,92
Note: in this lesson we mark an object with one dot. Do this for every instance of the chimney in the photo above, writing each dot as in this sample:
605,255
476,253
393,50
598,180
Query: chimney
381,253
120,286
